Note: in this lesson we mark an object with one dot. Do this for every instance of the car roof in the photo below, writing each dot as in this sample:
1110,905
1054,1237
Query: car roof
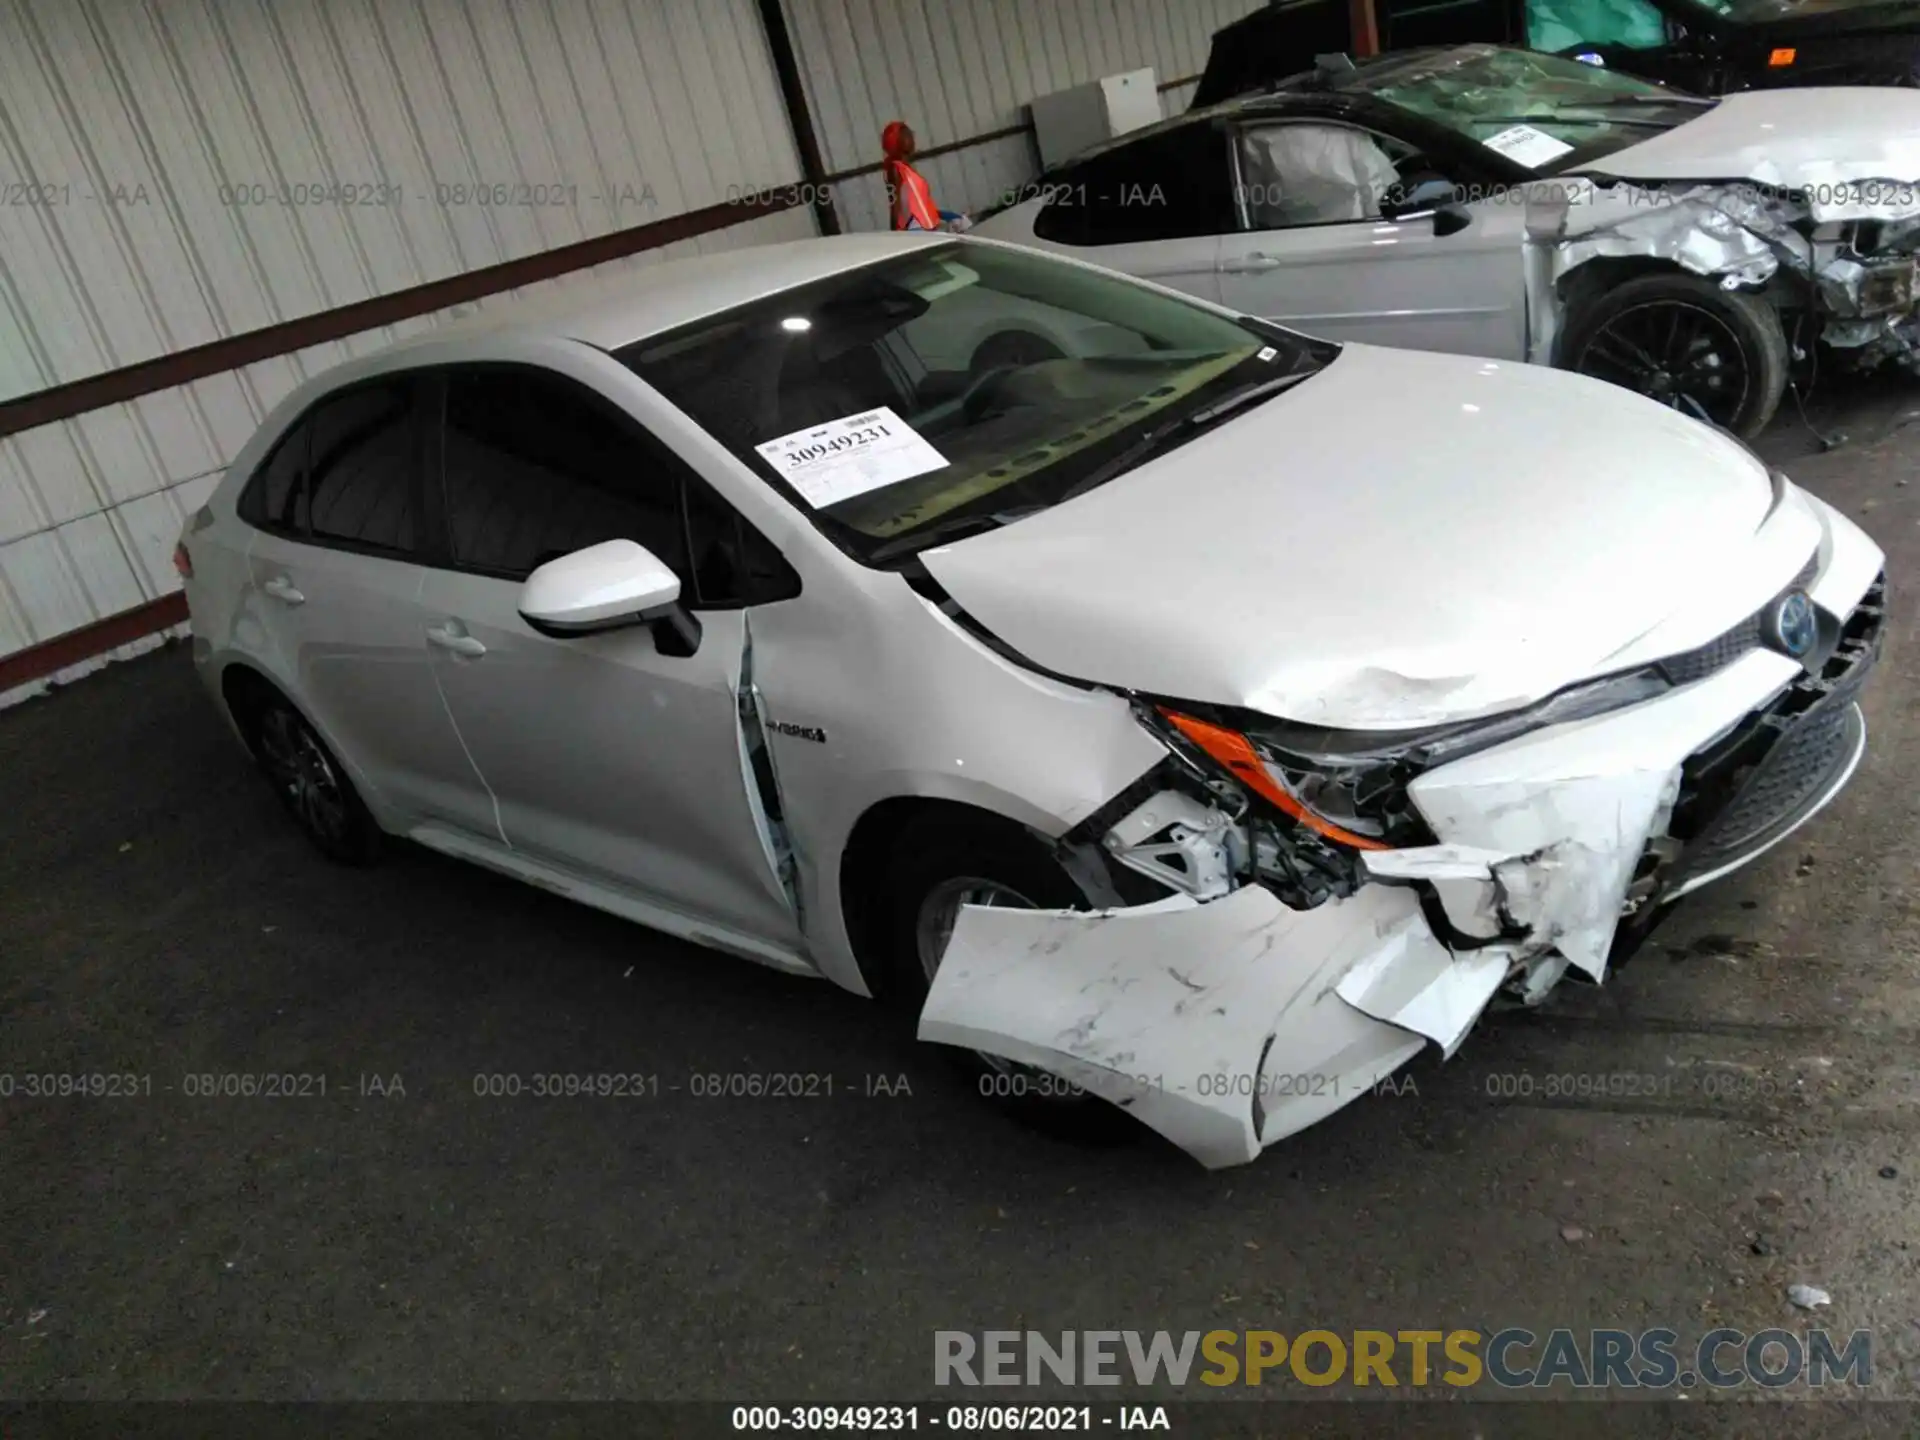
617,310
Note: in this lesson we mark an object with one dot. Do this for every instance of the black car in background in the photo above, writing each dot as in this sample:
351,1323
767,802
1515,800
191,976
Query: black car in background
1707,46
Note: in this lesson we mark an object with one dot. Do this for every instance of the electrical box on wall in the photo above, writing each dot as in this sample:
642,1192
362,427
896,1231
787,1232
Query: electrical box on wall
1069,121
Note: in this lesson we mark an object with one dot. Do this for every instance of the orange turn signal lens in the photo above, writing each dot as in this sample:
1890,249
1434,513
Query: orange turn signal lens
1236,752
1781,58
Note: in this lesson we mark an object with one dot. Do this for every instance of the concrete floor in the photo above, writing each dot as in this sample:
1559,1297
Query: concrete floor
162,919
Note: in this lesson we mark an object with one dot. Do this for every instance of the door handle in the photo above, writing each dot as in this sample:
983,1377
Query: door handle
450,637
281,589
1247,264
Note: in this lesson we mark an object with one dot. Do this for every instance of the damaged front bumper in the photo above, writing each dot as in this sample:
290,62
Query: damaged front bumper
1229,1023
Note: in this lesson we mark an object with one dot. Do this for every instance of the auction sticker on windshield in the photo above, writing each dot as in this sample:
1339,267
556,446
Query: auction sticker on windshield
850,456
1527,146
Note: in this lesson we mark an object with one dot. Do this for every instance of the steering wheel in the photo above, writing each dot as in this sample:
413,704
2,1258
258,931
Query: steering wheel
1424,189
977,399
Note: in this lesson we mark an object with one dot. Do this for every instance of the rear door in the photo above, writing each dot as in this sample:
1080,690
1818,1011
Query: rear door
1314,250
335,572
1153,208
604,755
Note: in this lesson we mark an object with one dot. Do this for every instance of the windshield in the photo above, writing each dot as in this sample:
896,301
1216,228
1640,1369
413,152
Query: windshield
959,386
1543,112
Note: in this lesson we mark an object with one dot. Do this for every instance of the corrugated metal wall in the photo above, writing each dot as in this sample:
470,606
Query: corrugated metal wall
177,172
955,69
172,166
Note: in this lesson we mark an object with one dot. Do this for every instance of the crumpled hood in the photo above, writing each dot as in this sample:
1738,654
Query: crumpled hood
1795,138
1405,539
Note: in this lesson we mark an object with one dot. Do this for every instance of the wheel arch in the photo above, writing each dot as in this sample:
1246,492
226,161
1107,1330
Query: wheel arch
244,684
1585,283
866,858
243,688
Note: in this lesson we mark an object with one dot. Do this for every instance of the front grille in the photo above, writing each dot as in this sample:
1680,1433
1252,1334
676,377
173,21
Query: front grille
1794,774
1728,647
1757,783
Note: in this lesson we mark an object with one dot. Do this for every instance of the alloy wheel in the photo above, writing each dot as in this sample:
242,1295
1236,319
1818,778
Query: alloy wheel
300,769
1682,355
933,928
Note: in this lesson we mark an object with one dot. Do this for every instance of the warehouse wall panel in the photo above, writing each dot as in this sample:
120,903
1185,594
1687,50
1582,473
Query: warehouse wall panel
192,149
202,169
960,69
90,508
191,163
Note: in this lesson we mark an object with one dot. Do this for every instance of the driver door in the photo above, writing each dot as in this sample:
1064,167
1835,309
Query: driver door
603,756
1314,251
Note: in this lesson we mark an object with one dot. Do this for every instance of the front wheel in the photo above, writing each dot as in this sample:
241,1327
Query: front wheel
1717,355
945,863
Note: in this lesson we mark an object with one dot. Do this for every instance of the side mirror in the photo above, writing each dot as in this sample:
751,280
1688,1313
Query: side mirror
606,587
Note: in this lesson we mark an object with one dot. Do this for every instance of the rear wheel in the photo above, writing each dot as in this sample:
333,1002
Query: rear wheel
308,780
1717,355
942,864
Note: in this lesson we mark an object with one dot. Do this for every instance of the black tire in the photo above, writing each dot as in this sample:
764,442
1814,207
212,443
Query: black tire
933,855
309,780
1718,355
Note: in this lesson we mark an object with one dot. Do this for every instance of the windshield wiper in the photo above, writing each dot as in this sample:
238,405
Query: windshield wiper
958,526
1247,396
1188,424
1613,102
1589,120
951,528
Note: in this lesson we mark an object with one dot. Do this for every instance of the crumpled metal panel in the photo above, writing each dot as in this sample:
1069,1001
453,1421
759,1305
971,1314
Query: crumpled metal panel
1882,199
1228,1024
1173,1010
1714,230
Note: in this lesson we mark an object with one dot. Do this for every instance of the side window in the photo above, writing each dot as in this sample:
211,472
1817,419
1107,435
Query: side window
537,467
733,563
1555,25
1170,186
1312,174
275,497
361,461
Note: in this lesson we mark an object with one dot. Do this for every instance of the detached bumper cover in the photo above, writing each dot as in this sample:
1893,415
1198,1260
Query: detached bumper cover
1231,1024
1170,1009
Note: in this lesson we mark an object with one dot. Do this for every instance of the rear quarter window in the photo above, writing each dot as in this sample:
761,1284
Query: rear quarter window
274,498
344,473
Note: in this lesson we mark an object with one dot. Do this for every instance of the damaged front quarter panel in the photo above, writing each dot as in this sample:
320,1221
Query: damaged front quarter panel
1228,1023
1845,251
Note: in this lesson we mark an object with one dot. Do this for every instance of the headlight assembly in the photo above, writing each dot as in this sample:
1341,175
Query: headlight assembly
1298,794
1350,786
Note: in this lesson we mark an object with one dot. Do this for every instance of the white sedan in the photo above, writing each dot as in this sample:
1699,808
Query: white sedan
1527,207
1148,724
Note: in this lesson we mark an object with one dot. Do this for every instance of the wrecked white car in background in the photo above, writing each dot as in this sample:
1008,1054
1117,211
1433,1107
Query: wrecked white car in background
1524,206
1146,721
